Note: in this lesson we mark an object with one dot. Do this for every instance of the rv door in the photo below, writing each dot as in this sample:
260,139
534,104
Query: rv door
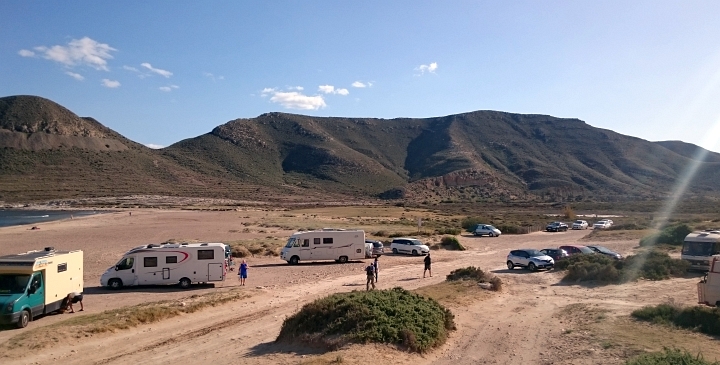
125,271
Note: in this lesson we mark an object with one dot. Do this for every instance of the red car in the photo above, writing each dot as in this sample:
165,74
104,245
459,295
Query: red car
577,250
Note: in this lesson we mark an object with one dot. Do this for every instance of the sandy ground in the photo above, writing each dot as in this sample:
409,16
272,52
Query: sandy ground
535,319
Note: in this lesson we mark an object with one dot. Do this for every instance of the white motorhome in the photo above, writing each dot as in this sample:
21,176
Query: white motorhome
709,287
176,263
699,247
326,244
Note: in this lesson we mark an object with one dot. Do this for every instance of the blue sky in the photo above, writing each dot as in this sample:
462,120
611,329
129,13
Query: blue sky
162,71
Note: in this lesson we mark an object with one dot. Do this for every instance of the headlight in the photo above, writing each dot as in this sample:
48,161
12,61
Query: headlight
9,307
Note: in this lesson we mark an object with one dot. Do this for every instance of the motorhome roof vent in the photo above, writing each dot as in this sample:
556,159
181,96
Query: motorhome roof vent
203,244
184,243
50,248
150,246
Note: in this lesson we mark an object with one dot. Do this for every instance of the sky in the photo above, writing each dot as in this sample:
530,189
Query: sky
159,72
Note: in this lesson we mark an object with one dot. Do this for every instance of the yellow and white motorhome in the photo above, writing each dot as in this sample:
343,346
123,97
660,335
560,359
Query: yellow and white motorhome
699,248
171,263
326,244
36,283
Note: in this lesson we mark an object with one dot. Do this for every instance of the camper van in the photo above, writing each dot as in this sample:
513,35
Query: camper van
176,263
699,247
36,283
326,244
709,287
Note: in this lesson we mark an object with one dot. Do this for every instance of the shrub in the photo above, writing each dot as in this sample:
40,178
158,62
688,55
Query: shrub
449,230
469,223
627,227
380,233
704,319
652,265
672,235
451,243
669,357
568,212
511,229
475,273
396,234
393,316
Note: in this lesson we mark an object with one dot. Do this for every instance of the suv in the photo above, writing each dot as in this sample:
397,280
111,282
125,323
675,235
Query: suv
486,230
580,224
529,258
410,246
605,251
605,223
555,253
377,247
556,227
577,250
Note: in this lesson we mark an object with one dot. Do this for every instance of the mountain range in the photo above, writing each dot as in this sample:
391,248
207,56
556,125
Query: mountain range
48,152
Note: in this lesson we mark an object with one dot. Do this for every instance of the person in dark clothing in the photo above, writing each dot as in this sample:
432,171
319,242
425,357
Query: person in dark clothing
370,273
427,265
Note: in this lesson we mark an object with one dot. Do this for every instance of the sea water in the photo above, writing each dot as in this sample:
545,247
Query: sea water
19,217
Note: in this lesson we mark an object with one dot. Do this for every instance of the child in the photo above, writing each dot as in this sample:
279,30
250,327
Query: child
243,272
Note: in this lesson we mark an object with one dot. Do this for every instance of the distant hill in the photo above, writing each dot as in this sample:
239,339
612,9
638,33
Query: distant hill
477,156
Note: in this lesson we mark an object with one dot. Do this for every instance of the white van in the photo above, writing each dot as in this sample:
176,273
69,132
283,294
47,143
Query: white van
326,244
176,263
699,248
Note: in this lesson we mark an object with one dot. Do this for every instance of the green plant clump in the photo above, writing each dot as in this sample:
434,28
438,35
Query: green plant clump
672,235
652,265
393,316
469,223
475,273
451,243
703,319
670,357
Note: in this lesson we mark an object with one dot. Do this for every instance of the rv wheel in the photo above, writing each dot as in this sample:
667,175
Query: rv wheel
24,319
343,259
294,260
115,284
185,283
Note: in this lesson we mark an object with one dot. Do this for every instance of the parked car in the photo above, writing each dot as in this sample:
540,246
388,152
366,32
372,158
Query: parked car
556,227
577,250
602,224
529,258
580,224
555,253
378,249
409,246
486,230
606,251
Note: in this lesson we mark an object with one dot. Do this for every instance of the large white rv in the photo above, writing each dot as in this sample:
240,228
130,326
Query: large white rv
699,247
326,244
176,263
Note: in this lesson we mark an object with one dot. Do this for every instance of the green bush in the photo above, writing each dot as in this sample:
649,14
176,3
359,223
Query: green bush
449,230
652,265
669,357
469,223
671,235
451,243
511,229
393,316
475,273
703,319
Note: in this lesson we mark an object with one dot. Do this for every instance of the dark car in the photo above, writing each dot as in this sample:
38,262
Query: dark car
556,227
378,247
555,253
577,250
606,251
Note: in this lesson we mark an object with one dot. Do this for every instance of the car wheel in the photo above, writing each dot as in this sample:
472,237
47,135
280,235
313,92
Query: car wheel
115,284
184,283
24,319
510,265
491,234
395,251
343,259
414,253
531,267
294,260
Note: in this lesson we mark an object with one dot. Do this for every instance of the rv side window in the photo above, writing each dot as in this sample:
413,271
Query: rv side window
327,240
171,259
316,241
62,267
306,243
206,254
150,261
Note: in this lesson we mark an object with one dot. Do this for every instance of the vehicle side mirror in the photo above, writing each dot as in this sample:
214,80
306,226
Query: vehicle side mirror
117,268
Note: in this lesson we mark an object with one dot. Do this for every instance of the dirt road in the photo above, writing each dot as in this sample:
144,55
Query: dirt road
528,322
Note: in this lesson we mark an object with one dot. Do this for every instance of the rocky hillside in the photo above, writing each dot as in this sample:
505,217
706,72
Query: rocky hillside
47,151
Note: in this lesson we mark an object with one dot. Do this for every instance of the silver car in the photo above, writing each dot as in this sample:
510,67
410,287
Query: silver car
486,230
529,258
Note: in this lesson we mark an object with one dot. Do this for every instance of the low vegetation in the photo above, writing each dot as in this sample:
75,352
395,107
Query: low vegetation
250,248
451,243
671,235
651,265
477,274
703,319
397,317
670,357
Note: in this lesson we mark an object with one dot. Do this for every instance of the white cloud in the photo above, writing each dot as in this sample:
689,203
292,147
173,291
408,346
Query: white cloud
427,68
154,146
26,53
359,84
168,88
75,76
298,88
110,83
342,92
130,68
294,99
158,71
213,77
329,89
85,51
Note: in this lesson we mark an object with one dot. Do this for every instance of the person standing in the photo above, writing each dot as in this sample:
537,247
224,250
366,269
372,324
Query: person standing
375,265
243,272
428,261
370,273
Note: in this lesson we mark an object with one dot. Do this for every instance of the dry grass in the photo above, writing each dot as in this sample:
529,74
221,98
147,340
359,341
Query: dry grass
599,235
454,293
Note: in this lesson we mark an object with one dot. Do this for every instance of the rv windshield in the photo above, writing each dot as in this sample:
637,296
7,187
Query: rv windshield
290,242
691,248
13,283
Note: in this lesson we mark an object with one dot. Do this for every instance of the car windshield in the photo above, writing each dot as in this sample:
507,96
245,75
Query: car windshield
600,222
534,253
584,249
13,283
490,228
603,249
290,242
578,222
377,244
691,248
